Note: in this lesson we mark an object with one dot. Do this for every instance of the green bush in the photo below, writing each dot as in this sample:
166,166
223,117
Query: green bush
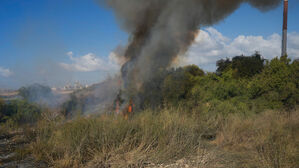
242,66
177,85
19,112
277,85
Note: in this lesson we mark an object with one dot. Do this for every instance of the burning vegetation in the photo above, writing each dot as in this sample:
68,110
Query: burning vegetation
243,115
161,31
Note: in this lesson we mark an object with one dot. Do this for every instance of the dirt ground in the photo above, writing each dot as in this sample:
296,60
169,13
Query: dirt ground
9,157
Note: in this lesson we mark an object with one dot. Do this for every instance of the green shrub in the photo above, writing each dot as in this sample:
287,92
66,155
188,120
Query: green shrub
19,112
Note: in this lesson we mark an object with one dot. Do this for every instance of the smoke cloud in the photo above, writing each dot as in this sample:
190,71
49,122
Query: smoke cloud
162,30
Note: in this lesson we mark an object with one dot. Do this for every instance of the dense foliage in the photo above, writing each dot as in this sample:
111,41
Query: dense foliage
242,66
18,112
25,111
242,84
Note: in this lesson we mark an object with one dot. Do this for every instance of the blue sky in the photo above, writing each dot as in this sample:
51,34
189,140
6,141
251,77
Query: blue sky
36,35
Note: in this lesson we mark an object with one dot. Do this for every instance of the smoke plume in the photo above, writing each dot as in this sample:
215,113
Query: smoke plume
162,30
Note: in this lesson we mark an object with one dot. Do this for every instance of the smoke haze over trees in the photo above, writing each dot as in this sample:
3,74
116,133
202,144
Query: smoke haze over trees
246,108
163,30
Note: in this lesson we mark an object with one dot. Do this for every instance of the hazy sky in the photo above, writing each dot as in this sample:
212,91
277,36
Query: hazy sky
58,41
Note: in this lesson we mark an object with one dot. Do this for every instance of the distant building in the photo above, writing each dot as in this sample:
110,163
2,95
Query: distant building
78,86
71,87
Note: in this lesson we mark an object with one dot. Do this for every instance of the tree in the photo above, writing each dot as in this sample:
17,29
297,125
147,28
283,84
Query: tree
194,70
179,83
277,85
35,92
247,66
222,65
242,66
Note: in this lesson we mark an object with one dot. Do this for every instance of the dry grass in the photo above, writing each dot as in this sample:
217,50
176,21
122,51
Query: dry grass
110,140
265,140
270,139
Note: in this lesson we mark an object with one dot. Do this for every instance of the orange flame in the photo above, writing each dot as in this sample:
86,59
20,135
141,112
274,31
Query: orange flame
129,110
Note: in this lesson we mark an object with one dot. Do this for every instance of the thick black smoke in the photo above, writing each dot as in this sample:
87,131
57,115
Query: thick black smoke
162,30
